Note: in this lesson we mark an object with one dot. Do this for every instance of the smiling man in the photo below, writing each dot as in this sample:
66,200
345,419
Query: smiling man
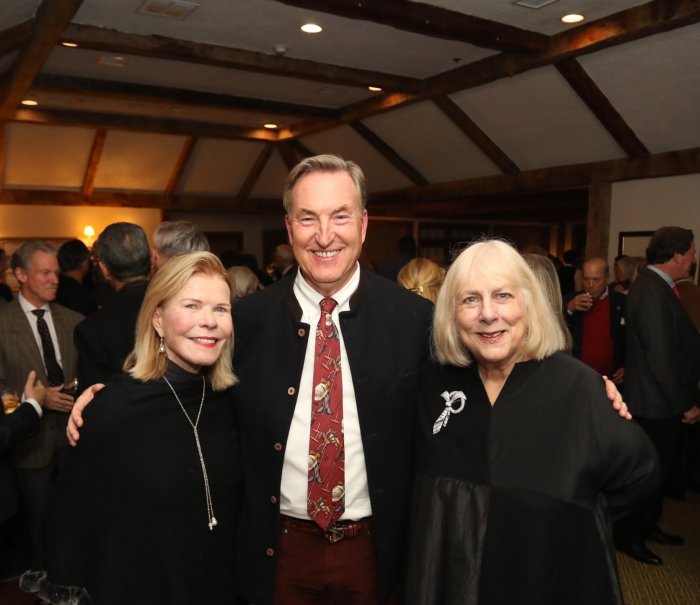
37,334
324,518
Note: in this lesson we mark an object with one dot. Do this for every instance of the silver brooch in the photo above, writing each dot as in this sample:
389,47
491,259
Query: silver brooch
444,416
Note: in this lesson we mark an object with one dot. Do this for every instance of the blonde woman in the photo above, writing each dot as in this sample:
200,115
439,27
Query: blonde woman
423,277
143,512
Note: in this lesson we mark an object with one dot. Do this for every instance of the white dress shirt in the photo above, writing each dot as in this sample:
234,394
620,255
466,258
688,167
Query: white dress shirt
28,307
295,471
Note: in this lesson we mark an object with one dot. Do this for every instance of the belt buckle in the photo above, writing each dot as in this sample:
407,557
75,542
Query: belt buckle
334,534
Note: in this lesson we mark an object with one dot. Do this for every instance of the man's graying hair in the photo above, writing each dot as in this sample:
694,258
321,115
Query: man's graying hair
325,163
22,258
179,237
123,248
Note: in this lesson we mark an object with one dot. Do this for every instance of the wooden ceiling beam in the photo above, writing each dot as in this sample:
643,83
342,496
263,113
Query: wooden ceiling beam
14,37
420,18
98,144
390,154
140,200
290,157
598,103
141,124
52,16
551,179
141,93
179,169
170,49
476,135
255,171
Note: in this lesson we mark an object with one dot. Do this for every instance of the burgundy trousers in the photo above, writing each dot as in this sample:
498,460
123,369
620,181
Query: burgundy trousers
311,570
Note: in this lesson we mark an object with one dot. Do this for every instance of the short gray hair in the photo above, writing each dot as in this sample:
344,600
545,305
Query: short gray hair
22,258
179,237
325,163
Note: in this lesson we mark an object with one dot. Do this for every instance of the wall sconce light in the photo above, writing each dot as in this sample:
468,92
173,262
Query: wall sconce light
89,233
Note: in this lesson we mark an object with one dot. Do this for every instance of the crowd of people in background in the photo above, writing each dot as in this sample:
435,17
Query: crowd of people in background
522,332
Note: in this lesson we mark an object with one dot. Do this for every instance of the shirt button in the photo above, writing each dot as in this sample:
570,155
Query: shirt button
270,552
291,391
273,499
301,332
278,447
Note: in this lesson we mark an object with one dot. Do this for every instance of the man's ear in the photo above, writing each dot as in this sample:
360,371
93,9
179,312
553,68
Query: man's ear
20,275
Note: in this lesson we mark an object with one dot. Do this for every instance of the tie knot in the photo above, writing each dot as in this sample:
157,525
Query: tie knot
327,305
39,312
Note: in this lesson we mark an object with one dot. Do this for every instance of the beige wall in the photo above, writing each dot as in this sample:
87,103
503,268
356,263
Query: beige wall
68,222
645,205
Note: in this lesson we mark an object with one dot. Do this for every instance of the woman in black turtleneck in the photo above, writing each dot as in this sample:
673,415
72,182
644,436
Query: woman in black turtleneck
143,511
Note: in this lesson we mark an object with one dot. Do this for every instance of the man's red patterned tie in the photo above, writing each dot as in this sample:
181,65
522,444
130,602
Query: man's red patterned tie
326,496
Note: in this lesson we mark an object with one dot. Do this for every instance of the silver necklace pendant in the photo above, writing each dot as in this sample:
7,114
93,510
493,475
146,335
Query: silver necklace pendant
212,522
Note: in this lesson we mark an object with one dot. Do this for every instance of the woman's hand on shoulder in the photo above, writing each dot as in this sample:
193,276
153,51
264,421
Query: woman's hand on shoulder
75,421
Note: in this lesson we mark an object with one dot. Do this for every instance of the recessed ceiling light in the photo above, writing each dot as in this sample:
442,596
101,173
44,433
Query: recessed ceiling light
573,18
375,88
30,102
69,44
311,28
270,125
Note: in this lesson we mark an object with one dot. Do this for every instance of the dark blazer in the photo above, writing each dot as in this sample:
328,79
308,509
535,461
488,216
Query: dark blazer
20,353
663,351
13,428
386,338
73,295
106,337
617,326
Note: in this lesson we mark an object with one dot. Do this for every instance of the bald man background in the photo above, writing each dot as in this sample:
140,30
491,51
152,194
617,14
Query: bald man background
596,320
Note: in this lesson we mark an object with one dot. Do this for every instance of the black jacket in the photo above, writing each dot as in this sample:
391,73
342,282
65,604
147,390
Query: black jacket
663,351
106,337
386,338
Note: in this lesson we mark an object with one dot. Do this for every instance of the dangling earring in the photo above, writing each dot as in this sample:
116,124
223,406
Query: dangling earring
161,348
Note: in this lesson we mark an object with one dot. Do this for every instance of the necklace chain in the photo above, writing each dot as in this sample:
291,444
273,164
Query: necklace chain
210,509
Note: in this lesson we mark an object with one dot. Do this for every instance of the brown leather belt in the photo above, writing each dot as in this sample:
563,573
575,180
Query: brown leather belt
335,532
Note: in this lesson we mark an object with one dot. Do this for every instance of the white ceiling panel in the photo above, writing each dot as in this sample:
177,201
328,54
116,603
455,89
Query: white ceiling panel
380,174
429,141
13,12
538,120
270,183
44,156
138,162
171,74
219,167
655,85
260,25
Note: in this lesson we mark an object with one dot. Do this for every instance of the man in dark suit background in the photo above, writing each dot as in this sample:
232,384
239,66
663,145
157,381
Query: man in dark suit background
75,264
106,337
662,373
595,318
21,351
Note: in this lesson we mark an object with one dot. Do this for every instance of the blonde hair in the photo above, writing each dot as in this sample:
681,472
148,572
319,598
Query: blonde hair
243,282
546,275
145,362
422,276
503,265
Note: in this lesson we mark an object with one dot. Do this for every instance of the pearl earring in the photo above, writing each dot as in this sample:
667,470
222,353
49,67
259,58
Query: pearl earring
161,348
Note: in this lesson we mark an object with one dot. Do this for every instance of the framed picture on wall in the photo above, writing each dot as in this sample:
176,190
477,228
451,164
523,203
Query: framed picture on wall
633,243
